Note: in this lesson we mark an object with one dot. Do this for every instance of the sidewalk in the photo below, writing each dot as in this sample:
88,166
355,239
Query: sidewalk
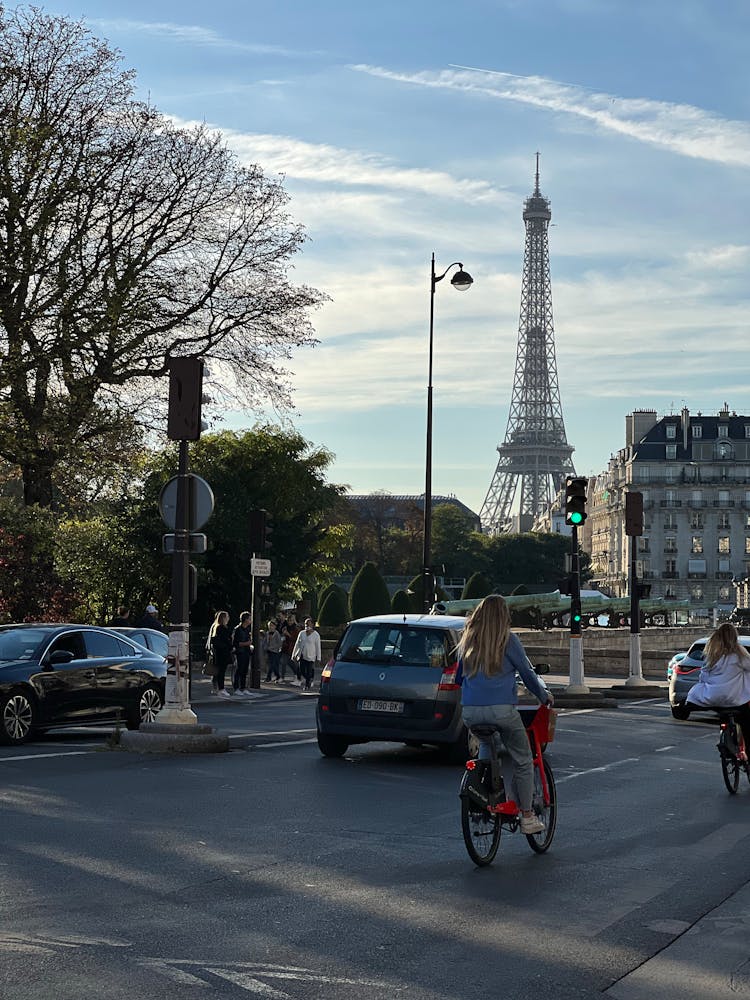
201,692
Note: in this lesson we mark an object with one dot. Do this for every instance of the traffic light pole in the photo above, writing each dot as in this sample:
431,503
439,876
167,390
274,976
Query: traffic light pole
635,668
177,710
255,626
577,684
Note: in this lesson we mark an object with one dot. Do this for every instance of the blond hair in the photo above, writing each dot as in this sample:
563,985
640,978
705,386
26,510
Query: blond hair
485,636
222,617
723,642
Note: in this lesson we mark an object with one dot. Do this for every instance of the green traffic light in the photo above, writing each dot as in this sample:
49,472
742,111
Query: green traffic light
576,618
575,517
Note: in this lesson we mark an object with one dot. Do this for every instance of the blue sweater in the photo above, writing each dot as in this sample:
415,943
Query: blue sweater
501,689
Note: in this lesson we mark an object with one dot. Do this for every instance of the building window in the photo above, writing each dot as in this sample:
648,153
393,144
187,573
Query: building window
747,430
670,544
697,545
670,565
669,593
724,566
723,498
671,452
747,520
723,431
696,593
670,520
747,546
670,474
642,473
724,520
724,548
696,520
697,430
643,544
723,593
671,432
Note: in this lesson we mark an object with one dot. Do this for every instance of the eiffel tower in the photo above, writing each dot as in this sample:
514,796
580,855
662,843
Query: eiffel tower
535,451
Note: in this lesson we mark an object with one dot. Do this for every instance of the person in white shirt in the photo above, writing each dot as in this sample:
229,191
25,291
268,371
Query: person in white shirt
724,680
307,652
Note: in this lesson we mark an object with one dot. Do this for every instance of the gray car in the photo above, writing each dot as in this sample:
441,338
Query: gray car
393,678
685,675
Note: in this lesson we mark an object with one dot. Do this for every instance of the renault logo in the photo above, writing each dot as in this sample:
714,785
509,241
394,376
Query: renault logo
382,677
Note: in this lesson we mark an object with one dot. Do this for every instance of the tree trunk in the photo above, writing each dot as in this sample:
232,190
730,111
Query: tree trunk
37,483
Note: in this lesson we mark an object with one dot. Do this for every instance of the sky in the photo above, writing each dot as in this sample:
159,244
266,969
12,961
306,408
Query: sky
405,128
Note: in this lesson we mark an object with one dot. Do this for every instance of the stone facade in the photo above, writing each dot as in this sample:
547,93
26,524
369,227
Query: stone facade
694,473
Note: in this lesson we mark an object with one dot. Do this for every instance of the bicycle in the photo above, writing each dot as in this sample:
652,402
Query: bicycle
732,750
485,809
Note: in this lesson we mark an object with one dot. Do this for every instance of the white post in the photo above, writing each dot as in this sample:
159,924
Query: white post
635,670
577,683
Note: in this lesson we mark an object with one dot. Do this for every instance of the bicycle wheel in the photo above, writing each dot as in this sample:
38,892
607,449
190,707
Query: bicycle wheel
481,831
539,842
730,771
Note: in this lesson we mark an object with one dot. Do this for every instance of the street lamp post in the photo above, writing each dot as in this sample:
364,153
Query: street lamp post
460,281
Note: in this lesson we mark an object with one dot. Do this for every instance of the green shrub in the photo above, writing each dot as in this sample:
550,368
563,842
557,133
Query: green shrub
369,594
334,609
477,586
401,603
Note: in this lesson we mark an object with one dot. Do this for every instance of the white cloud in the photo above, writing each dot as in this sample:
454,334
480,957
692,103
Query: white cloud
719,258
189,34
681,128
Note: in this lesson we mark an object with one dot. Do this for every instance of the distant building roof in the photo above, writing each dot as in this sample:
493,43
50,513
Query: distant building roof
393,502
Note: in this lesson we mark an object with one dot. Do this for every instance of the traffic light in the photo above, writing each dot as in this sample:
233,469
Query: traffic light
575,501
257,530
634,514
185,398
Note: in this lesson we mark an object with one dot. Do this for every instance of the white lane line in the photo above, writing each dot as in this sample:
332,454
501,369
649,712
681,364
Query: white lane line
597,770
664,749
277,732
284,743
41,756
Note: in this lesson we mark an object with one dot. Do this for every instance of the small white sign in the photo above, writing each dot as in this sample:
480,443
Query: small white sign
260,567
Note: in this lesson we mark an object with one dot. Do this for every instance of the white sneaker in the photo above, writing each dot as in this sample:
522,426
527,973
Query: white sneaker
223,694
531,824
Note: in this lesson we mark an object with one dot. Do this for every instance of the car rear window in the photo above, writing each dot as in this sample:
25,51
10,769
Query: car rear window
387,643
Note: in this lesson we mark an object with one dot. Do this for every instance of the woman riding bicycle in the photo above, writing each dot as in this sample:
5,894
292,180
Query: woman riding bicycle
489,656
724,680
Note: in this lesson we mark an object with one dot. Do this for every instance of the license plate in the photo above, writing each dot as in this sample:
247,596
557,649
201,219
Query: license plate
374,705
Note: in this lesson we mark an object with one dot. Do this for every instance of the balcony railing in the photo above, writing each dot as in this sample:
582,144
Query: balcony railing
696,576
723,503
671,503
721,575
669,574
696,503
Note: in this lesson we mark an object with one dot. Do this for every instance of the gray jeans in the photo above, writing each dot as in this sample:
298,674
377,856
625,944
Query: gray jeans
513,735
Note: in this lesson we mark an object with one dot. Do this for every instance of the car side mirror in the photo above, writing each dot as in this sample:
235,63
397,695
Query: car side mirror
541,668
60,656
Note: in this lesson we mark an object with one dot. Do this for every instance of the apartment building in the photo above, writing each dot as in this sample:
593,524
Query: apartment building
694,473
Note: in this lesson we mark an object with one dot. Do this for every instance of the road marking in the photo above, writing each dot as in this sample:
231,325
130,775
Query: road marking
664,749
249,976
278,732
597,770
283,743
41,756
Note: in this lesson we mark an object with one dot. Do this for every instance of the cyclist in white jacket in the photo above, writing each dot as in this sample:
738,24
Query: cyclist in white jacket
724,680
307,651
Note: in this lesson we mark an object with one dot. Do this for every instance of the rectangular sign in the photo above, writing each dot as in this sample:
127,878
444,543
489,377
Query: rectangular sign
198,542
260,567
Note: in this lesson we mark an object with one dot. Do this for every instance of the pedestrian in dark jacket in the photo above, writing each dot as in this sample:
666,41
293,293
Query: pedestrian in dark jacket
242,640
220,644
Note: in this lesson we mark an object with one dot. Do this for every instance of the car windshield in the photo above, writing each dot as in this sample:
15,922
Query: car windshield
387,643
696,651
21,643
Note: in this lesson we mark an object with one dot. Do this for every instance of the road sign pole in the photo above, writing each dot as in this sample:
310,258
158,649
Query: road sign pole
255,622
577,684
635,666
177,709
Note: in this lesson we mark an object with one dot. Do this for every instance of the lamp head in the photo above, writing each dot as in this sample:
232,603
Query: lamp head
462,279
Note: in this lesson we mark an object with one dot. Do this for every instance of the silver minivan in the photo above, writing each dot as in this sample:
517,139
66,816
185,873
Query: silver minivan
393,678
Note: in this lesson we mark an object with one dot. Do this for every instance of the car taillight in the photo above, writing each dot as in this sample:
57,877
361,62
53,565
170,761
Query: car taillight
325,674
684,670
448,679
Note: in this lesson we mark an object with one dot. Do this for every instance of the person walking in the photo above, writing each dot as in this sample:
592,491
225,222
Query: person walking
489,655
289,632
220,644
273,644
242,644
724,680
307,652
122,618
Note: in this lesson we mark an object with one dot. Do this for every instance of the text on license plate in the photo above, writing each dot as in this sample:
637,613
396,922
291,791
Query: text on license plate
375,705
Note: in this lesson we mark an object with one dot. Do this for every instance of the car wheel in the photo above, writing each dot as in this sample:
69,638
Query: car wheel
332,746
680,712
150,704
17,718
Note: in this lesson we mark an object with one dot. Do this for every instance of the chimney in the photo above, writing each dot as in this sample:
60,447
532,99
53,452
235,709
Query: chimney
685,425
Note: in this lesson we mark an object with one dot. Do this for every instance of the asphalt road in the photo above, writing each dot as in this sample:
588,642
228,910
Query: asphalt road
272,872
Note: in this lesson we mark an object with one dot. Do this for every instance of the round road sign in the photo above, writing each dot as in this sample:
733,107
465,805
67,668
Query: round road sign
201,502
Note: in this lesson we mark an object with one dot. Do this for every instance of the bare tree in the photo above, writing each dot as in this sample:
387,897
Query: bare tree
124,240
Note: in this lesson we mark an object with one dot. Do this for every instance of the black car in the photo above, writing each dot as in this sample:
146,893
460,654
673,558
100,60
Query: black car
64,675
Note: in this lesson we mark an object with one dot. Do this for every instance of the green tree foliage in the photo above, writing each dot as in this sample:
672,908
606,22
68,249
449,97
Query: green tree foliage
30,587
369,594
124,239
476,586
267,468
416,597
456,546
334,609
401,603
532,559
